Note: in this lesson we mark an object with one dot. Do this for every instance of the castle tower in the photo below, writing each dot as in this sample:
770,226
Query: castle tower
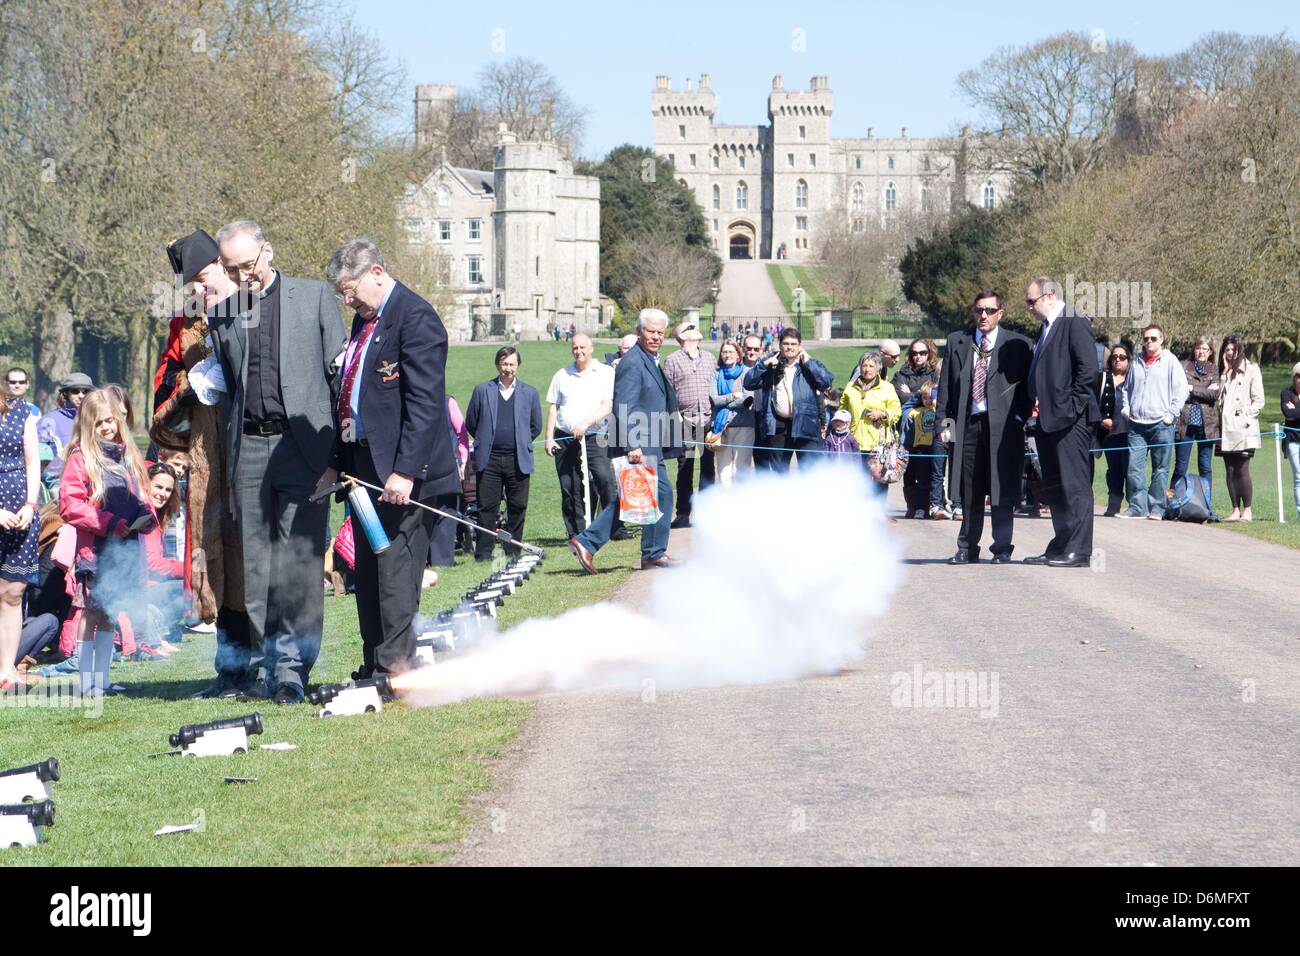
801,177
684,131
524,230
434,103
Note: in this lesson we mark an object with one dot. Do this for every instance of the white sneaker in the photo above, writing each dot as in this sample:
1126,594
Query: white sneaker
203,627
1127,514
1155,517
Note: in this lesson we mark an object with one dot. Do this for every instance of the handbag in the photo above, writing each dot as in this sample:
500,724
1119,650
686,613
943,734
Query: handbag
888,460
1188,500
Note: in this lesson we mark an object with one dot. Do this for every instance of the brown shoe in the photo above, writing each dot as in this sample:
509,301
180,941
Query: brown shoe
661,562
583,556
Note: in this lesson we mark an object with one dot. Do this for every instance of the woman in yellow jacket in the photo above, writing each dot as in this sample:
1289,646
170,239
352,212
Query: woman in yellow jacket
875,408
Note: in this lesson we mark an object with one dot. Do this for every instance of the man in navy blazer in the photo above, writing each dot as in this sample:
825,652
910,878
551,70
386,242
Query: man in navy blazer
505,418
1062,379
392,431
643,425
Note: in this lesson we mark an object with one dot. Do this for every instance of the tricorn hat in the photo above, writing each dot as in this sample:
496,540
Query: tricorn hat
189,254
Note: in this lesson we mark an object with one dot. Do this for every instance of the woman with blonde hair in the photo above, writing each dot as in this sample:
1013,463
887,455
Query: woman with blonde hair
102,494
873,407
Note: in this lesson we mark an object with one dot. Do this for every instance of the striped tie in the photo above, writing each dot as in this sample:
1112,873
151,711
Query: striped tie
979,374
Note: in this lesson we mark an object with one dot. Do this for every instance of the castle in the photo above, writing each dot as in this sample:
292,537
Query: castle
519,244
766,190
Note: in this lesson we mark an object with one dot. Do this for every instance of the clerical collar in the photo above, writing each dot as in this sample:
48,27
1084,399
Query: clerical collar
263,293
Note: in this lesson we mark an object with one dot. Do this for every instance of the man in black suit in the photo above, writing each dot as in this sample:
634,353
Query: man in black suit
505,418
1062,379
393,432
986,402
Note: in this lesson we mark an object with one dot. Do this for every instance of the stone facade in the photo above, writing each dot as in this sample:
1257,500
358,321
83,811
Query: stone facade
765,190
519,243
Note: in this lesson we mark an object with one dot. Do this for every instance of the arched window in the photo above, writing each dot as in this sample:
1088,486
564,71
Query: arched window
742,195
801,195
717,197
889,164
891,197
988,195
741,158
859,198
444,196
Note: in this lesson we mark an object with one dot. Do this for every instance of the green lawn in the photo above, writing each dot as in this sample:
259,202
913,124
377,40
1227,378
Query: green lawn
358,790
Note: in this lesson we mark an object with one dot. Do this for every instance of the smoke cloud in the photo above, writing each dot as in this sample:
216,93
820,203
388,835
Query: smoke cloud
785,576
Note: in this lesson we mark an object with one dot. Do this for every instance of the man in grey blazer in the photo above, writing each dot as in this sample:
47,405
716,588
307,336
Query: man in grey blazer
278,342
505,418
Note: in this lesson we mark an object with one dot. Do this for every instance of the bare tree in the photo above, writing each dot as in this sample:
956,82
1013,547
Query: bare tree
665,273
1057,100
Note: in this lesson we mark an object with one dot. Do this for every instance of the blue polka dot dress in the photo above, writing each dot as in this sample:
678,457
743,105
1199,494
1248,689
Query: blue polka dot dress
18,549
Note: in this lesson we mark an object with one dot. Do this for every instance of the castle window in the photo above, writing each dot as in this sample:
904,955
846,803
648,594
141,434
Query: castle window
801,223
857,162
988,195
414,231
801,195
717,197
891,197
715,161
742,196
681,132
925,197
474,229
741,159
672,161
859,198
444,196
715,224
789,160
691,161
927,164
474,269
812,160
803,132
858,225
537,265
444,230
889,164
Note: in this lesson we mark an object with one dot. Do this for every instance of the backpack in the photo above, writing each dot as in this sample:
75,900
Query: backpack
1188,500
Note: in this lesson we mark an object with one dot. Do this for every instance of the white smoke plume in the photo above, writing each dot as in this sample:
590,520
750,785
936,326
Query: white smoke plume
785,575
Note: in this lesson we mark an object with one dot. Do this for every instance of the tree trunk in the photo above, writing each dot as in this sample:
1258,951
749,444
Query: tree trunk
137,361
54,349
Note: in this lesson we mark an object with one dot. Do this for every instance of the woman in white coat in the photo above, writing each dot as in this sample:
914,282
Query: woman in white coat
1243,398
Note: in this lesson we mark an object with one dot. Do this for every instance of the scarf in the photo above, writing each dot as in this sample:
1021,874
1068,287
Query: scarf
725,382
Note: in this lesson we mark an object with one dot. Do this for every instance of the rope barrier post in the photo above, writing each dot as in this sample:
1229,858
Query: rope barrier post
1277,447
586,483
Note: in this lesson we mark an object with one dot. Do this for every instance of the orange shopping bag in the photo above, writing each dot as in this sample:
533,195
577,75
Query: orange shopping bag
637,490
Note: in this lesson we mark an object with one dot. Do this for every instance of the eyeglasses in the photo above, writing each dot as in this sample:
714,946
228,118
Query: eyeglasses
984,310
1030,302
78,391
345,293
925,352
17,382
1119,358
236,271
1150,338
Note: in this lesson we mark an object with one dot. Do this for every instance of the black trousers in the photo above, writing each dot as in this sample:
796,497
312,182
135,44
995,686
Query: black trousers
976,483
1066,465
502,474
780,447
568,467
686,468
388,584
442,540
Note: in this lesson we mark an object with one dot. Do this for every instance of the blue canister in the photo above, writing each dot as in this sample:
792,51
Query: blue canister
363,513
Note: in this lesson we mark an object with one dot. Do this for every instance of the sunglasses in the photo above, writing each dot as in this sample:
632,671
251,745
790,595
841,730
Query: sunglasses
982,310
918,353
21,381
78,391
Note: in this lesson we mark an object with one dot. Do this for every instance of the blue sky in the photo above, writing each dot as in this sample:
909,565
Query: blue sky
890,64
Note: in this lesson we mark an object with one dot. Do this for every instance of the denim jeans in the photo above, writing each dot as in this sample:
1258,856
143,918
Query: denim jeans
1293,453
1204,456
1148,497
